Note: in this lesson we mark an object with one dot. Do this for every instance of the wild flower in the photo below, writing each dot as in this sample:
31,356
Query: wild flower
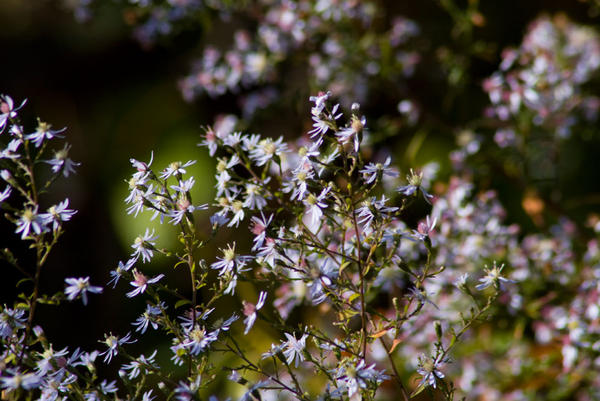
149,317
77,287
30,220
113,343
293,348
144,246
57,214
140,283
43,132
493,277
429,369
250,311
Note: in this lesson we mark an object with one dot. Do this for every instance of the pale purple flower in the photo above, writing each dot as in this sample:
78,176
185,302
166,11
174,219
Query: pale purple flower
314,205
142,167
80,287
176,169
140,282
210,141
149,317
222,184
58,214
429,369
373,170
230,262
141,364
254,198
26,381
43,132
48,357
7,109
188,391
414,184
184,186
300,183
425,228
113,342
11,319
10,152
107,387
197,339
353,378
5,194
184,206
139,199
237,207
352,132
118,272
493,277
250,311
30,220
258,227
294,349
144,246
267,149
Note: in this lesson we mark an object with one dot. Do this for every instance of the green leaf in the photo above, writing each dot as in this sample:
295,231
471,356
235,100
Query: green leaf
418,390
181,302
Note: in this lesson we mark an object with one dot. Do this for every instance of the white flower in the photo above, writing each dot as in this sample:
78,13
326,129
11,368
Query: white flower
144,245
7,109
428,368
10,152
258,227
28,221
250,311
314,206
237,207
254,199
43,132
27,381
62,162
175,169
5,194
267,149
294,349
140,282
230,262
493,277
80,286
58,214
184,186
198,339
356,377
373,170
113,342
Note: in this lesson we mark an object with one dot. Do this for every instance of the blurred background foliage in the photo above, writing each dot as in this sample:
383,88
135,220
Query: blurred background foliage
120,99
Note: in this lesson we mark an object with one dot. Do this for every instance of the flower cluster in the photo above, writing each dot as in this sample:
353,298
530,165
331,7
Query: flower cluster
544,79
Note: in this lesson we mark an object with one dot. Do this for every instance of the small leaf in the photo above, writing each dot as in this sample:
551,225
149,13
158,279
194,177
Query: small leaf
344,265
181,302
380,333
418,390
353,297
395,344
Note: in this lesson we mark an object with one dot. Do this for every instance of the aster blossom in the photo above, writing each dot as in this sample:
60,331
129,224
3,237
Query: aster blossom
80,287
251,310
140,283
493,277
144,245
58,214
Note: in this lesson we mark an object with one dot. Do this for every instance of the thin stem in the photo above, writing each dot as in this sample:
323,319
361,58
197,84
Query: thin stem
396,374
